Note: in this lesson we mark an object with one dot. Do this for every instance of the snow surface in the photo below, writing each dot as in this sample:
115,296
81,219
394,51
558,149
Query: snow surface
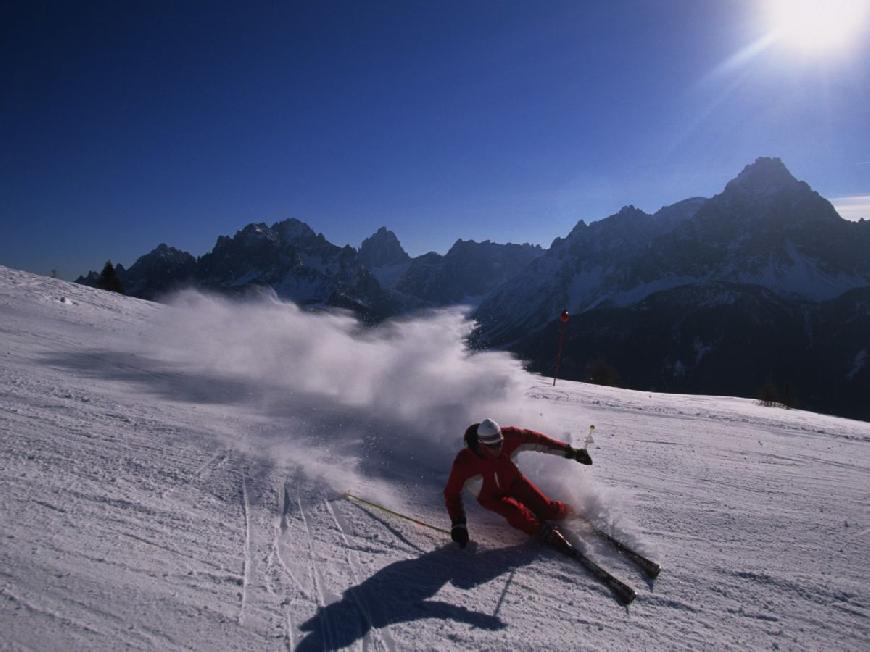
171,477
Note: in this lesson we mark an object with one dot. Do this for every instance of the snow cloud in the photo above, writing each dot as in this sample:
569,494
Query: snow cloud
345,402
416,372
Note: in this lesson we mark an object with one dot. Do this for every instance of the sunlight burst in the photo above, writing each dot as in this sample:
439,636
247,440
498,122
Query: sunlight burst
815,26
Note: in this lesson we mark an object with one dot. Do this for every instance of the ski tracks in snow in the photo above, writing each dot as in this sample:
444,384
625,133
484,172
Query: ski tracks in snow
326,627
311,565
248,563
300,582
383,639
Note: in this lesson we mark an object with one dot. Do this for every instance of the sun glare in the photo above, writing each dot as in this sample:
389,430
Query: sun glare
817,26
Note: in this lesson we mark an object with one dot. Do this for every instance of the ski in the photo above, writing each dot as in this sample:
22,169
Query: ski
623,592
651,568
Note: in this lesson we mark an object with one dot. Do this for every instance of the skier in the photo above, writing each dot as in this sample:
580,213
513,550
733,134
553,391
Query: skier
488,455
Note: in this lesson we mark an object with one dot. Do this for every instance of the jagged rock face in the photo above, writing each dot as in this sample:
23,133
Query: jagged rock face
298,264
766,228
383,256
382,250
466,273
591,265
769,229
266,255
766,177
419,278
304,267
161,271
153,275
253,254
288,256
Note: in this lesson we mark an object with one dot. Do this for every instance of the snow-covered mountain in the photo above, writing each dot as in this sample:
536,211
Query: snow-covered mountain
769,229
725,295
378,281
468,272
383,255
766,231
157,273
765,228
288,256
587,267
381,249
172,477
298,264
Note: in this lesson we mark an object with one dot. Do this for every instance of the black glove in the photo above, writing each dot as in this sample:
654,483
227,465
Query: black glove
459,533
578,455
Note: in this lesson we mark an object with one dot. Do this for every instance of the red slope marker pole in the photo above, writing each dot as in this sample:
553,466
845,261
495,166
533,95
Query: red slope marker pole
563,327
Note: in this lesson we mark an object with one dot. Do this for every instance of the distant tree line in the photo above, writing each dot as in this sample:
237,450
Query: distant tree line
108,279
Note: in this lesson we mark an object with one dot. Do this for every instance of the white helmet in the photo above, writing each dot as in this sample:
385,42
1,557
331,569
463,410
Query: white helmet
489,433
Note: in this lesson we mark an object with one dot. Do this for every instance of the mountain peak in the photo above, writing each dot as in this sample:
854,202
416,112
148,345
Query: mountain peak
255,230
628,216
766,176
631,210
292,229
164,249
164,254
382,248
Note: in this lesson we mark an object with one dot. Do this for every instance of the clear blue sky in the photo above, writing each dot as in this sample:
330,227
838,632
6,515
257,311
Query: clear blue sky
126,124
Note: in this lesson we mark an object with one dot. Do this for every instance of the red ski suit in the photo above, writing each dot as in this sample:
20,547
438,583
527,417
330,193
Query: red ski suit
505,490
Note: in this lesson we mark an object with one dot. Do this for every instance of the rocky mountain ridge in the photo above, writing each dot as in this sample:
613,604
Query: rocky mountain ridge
762,283
377,281
765,228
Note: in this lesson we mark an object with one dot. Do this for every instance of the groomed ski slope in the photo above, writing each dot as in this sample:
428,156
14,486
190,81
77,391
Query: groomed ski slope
171,477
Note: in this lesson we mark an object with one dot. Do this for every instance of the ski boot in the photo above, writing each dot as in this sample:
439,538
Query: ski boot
550,535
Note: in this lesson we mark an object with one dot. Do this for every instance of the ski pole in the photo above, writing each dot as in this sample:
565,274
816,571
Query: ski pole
390,511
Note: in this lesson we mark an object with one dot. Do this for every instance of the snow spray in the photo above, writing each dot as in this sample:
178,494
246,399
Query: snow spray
390,401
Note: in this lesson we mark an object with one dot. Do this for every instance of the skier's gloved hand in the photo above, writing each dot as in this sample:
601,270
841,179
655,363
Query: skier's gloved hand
578,455
459,533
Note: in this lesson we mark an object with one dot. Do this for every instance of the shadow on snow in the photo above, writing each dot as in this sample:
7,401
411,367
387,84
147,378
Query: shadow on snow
401,592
